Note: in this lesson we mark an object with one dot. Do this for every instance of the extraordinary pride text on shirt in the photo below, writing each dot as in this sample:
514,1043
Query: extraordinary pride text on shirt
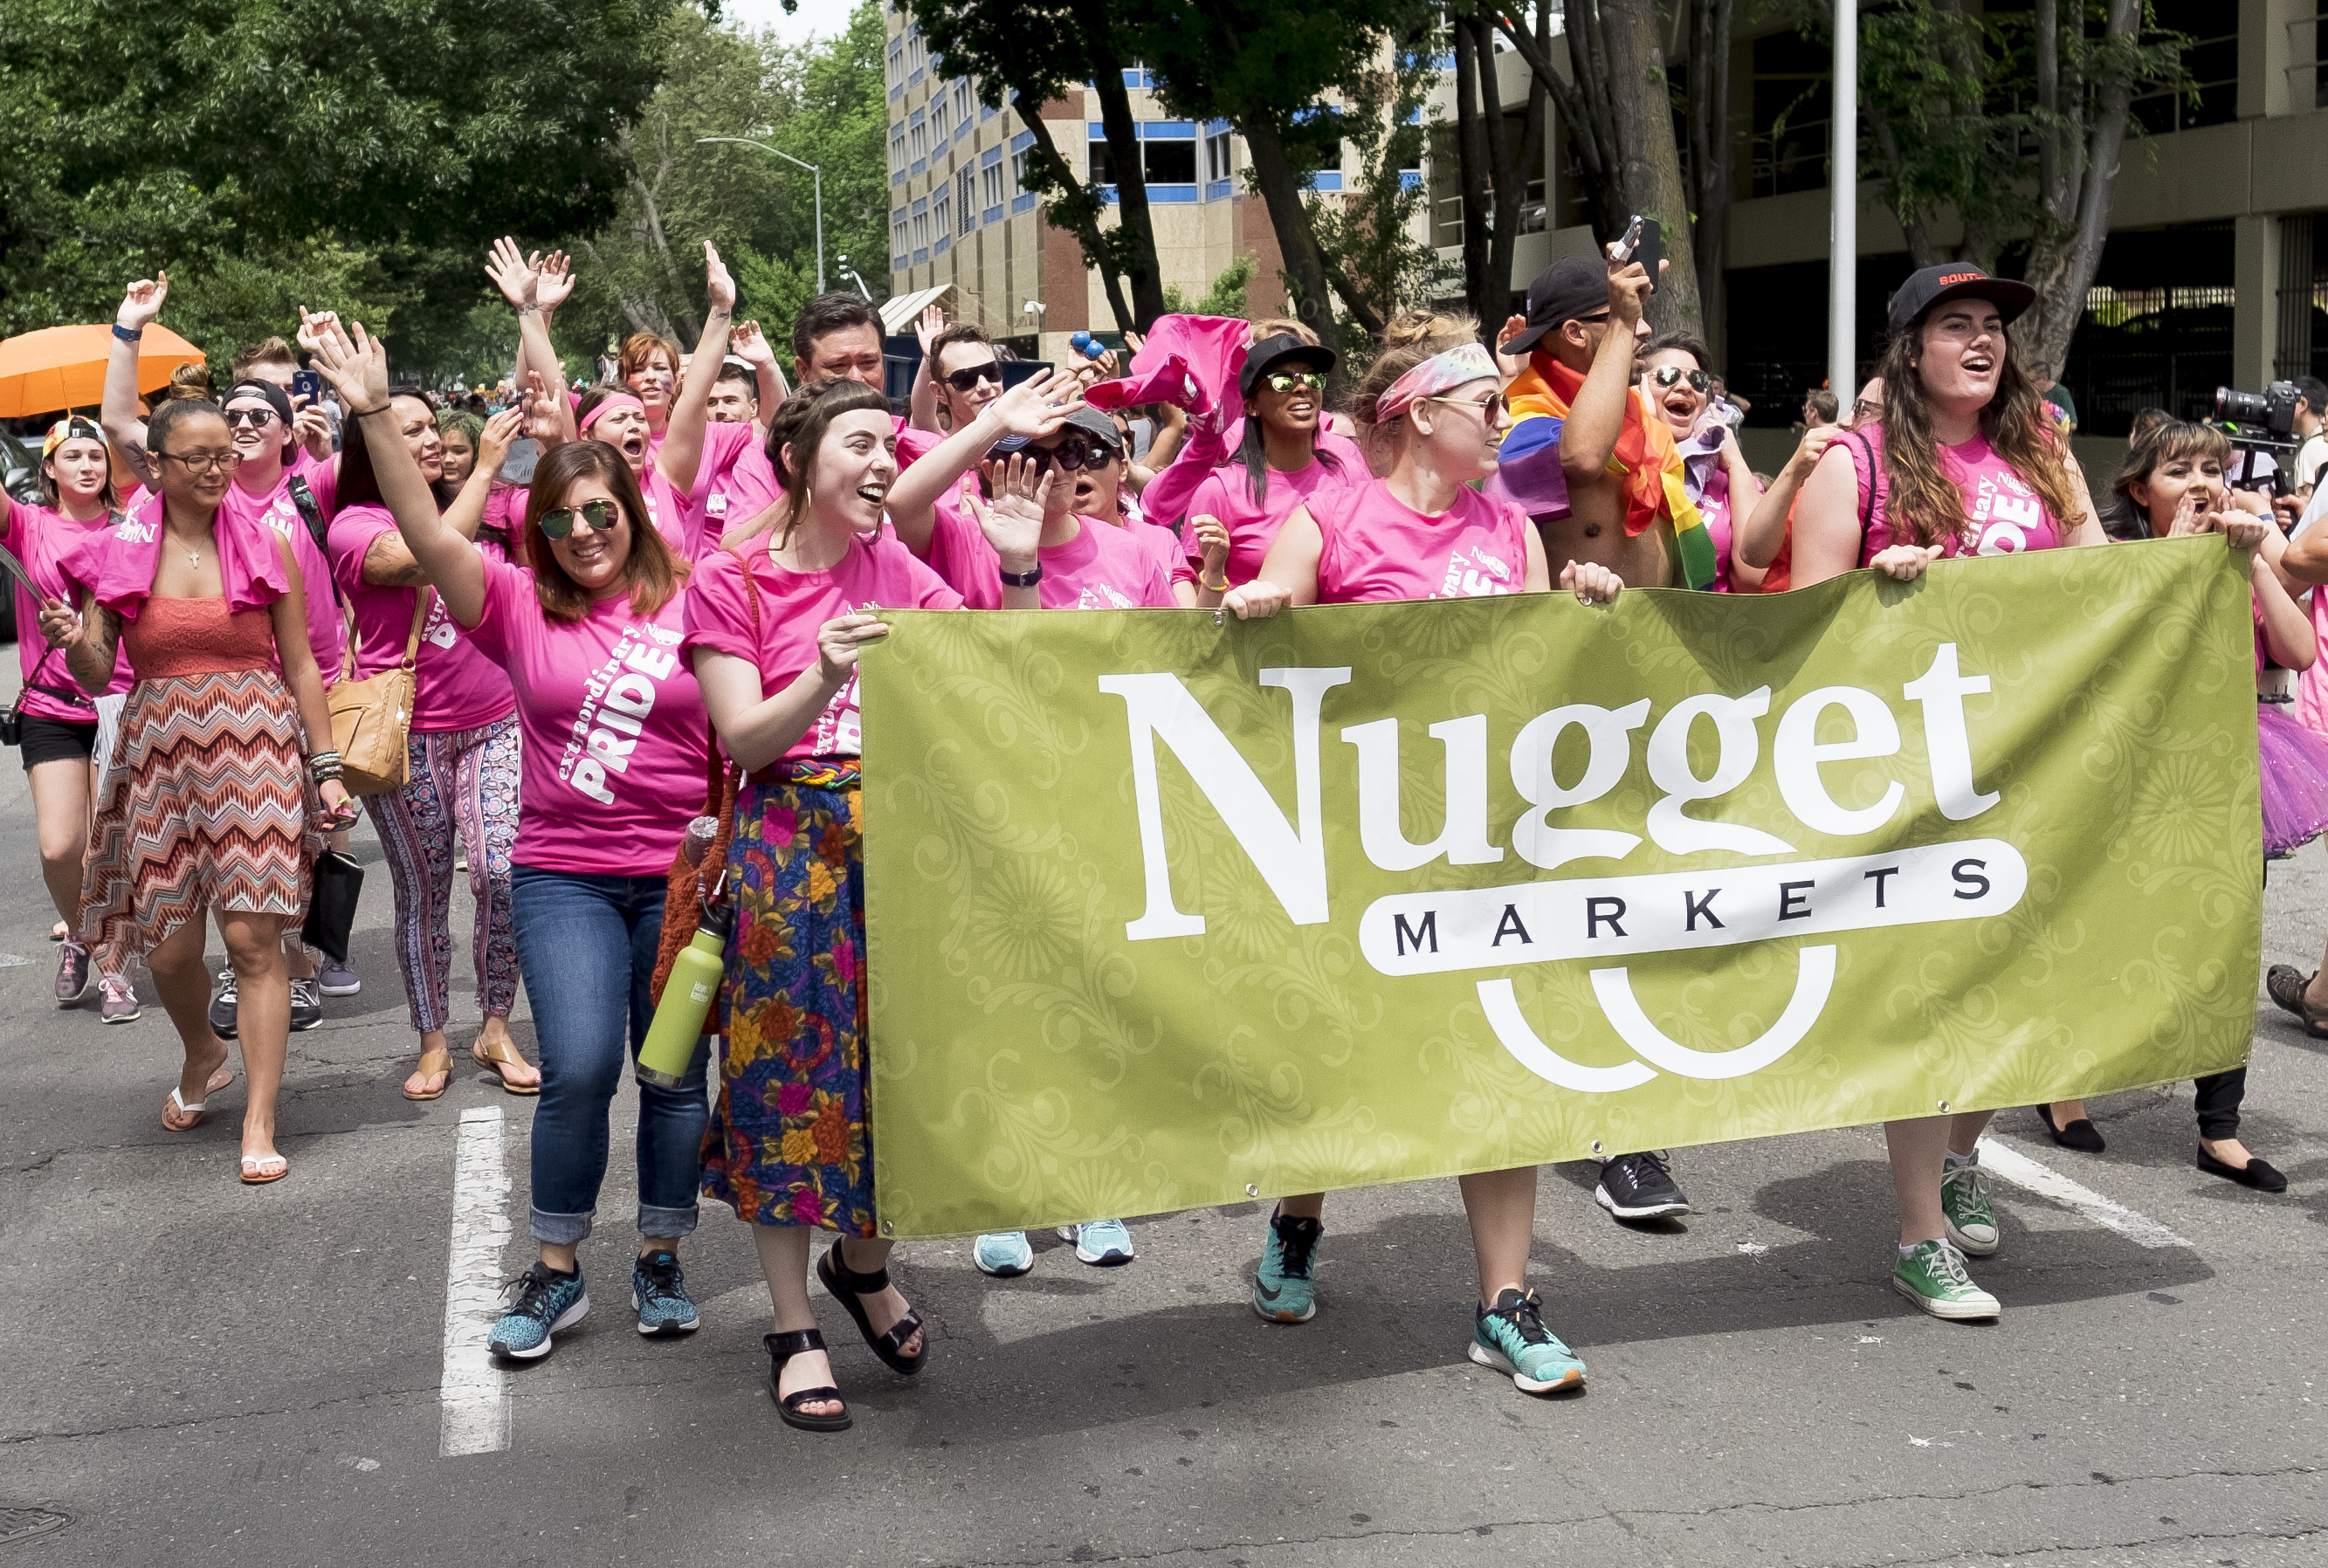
1165,912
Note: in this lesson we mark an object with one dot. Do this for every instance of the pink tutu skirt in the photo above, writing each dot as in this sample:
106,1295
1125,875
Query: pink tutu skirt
2295,780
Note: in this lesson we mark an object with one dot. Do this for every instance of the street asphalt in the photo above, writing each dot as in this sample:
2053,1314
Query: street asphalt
198,1373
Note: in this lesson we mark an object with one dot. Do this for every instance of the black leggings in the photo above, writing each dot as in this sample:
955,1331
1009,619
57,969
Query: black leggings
2220,1094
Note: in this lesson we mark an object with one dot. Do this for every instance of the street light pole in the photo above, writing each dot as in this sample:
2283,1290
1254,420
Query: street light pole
1842,257
812,169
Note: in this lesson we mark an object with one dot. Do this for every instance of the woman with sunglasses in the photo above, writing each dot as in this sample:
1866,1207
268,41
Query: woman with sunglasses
1284,457
461,754
1963,462
1209,441
209,805
615,740
668,443
774,629
57,717
1720,483
1423,532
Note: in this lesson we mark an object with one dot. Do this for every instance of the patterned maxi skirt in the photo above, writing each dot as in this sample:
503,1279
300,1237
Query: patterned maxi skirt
789,1142
206,807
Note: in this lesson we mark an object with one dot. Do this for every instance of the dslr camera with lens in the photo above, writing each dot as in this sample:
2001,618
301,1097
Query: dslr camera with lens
2261,421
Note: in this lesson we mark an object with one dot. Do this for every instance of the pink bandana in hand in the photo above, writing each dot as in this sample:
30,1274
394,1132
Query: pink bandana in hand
117,564
1190,362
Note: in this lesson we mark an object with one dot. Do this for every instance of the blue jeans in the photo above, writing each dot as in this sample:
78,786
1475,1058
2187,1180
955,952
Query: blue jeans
585,946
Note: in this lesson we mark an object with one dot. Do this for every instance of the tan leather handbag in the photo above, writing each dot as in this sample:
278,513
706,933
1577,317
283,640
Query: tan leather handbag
372,718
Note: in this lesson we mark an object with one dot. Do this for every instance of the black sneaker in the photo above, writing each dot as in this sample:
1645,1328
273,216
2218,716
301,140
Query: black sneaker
658,1291
307,1005
222,1006
1639,1187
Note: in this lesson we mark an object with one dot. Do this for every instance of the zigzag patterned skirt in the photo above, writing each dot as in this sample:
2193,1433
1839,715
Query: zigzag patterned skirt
206,808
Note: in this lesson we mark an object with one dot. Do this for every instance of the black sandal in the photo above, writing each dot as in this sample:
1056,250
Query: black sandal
782,1348
849,1287
2286,985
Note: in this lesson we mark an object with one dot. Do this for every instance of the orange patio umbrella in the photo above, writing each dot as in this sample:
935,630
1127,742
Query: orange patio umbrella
63,367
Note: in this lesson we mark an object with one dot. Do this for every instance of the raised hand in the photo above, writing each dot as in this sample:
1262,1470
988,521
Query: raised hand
839,641
1039,405
501,431
355,364
312,427
716,281
554,280
748,343
519,280
933,321
1591,582
540,403
1510,364
1013,525
2189,515
1811,448
1630,288
142,301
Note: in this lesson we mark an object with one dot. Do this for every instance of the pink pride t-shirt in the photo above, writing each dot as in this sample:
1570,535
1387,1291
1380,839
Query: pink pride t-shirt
612,726
454,687
40,537
879,573
1102,568
1228,493
2002,514
1375,549
735,482
275,510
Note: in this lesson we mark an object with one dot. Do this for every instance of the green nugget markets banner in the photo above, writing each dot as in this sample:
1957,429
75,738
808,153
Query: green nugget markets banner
1166,912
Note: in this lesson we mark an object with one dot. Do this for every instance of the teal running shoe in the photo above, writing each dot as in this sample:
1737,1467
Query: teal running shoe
1004,1255
1101,1243
544,1302
1281,1288
1510,1336
658,1291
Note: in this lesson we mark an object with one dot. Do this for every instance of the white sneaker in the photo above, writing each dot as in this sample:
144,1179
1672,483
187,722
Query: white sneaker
1101,1243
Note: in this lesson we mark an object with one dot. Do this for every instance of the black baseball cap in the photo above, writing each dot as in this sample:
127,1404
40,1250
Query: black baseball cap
1571,289
1956,280
1091,422
1272,352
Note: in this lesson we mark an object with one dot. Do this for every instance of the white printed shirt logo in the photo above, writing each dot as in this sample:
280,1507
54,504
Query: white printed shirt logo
619,695
133,533
840,729
2005,513
1100,597
438,629
1474,573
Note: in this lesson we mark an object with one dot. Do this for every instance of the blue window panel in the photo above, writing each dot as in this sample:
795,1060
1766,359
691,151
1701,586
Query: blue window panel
1410,178
914,80
1170,131
989,158
991,215
898,264
1022,141
1172,195
1414,118
916,117
1215,128
1140,78
963,129
920,163
1106,194
898,178
944,244
1217,189
1323,180
1024,202
921,256
896,92
922,205
1098,131
987,111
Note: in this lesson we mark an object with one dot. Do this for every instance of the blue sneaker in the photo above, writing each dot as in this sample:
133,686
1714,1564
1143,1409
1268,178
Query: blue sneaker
1282,1290
1511,1338
1100,1243
658,1291
1004,1255
545,1301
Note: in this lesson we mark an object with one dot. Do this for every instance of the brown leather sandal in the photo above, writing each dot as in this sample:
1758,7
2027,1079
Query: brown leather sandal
2286,985
432,1064
490,1057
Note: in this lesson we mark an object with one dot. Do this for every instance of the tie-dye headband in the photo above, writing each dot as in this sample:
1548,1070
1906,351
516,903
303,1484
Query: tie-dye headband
1433,376
612,401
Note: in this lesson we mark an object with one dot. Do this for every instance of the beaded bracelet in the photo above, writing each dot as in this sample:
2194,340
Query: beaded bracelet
325,766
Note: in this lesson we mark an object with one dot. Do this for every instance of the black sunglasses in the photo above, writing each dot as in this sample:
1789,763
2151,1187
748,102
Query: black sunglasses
597,516
256,418
969,376
1069,456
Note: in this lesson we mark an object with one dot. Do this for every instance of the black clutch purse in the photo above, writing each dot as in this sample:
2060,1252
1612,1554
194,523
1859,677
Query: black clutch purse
332,906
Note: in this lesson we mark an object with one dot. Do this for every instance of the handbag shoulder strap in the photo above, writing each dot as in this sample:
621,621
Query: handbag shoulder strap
420,603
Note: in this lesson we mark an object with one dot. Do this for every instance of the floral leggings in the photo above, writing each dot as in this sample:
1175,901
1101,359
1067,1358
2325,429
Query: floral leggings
467,776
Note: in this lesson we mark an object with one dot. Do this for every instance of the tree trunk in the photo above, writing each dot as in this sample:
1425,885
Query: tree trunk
1124,162
1513,164
1713,158
1648,167
1472,165
1583,98
2068,252
1084,221
1305,267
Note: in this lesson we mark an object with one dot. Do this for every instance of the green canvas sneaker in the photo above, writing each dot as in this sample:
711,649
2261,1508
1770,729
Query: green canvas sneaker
1970,1218
1933,1277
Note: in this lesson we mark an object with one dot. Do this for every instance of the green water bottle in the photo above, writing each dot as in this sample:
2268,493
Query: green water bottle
695,976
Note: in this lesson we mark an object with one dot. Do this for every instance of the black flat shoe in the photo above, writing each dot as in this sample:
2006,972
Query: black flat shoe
2080,1135
2257,1172
782,1348
849,1287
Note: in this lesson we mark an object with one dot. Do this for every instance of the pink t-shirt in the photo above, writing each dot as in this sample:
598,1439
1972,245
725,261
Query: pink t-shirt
2003,515
454,687
40,537
273,508
117,565
679,525
613,726
1377,548
877,573
1102,568
735,482
913,444
1228,493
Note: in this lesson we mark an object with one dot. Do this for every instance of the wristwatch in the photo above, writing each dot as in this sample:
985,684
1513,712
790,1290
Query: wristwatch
1025,579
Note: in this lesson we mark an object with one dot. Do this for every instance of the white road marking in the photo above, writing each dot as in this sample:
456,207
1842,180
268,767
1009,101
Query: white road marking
474,1398
2001,1160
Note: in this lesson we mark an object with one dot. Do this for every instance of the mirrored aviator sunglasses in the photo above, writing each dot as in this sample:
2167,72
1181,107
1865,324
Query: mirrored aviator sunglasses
598,516
1667,375
1286,381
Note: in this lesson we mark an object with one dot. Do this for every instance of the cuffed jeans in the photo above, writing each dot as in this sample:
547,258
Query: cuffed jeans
585,946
